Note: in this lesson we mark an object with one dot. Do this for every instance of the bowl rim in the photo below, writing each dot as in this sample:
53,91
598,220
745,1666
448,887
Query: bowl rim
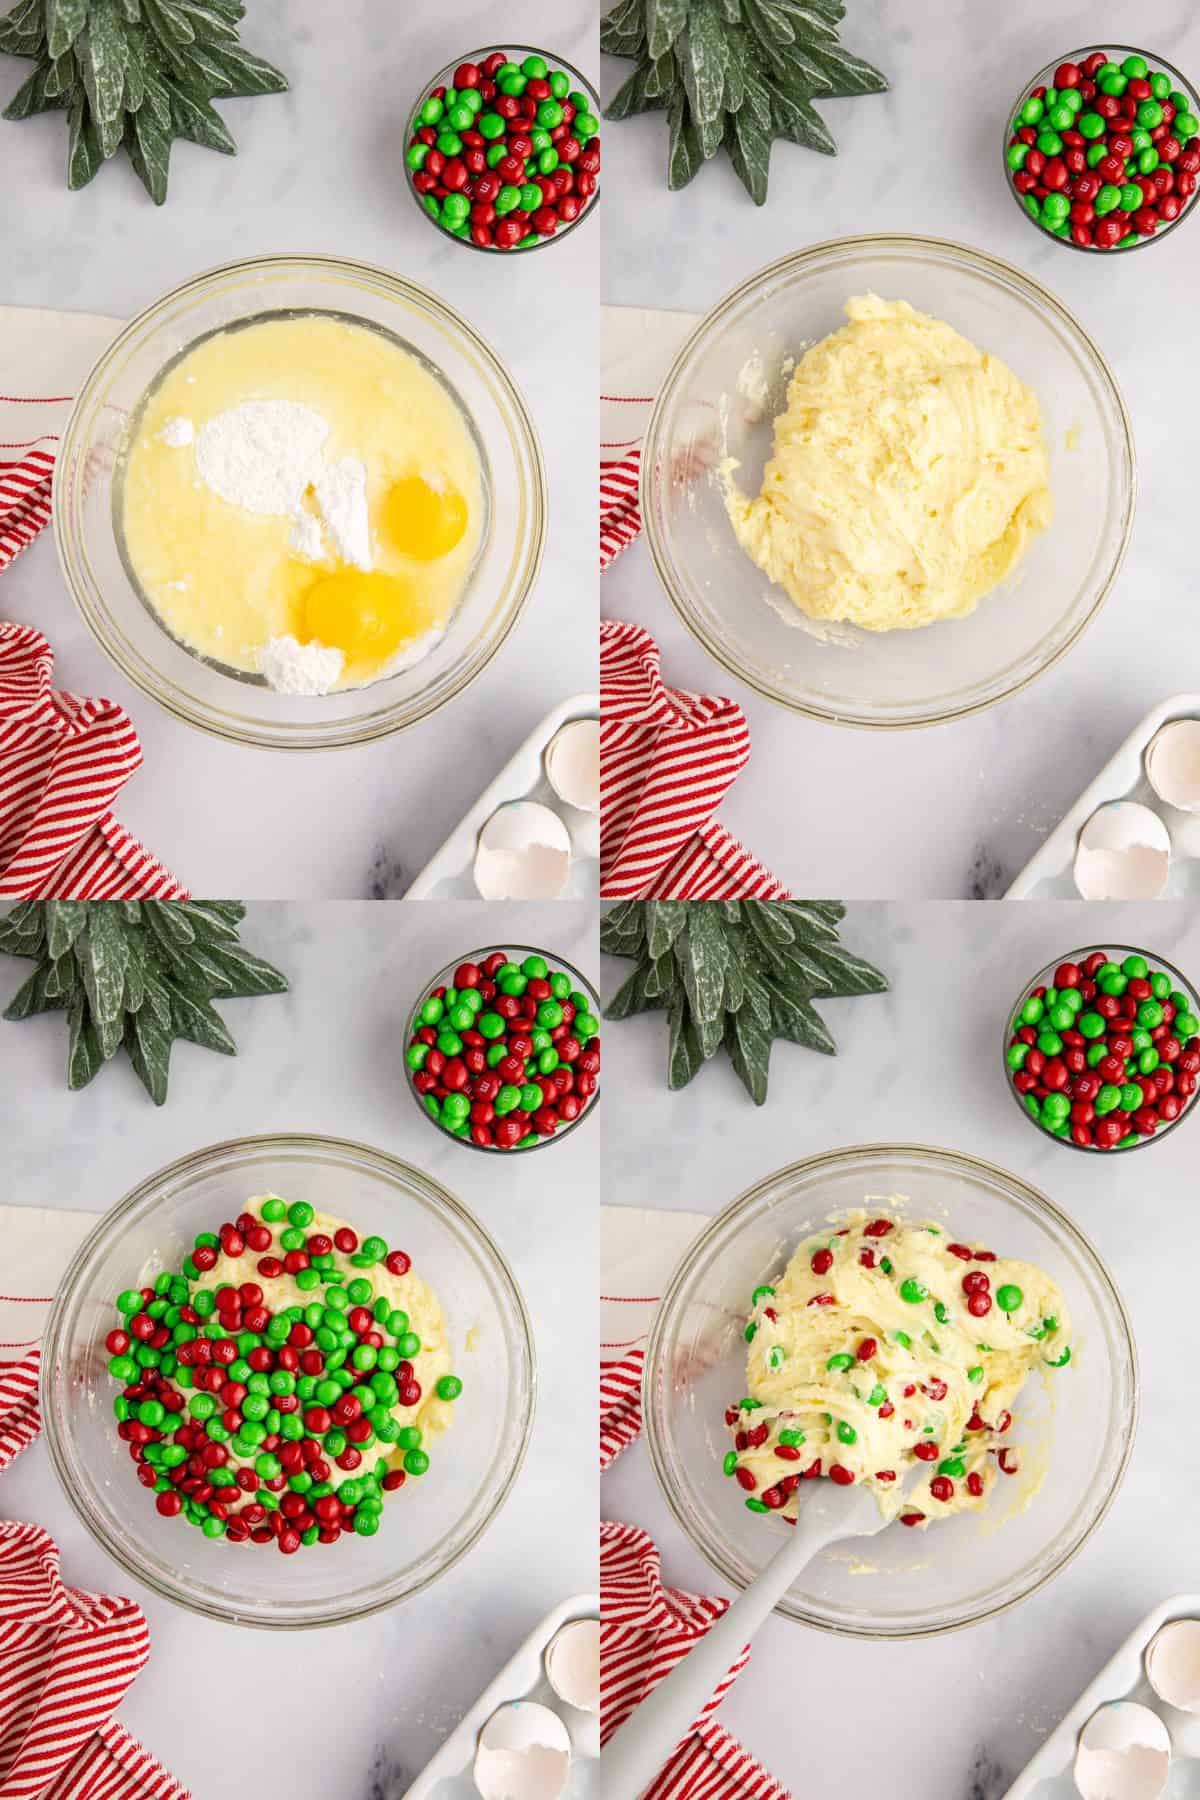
283,1141
814,253
1166,228
85,589
510,50
411,1027
829,1159
1011,1017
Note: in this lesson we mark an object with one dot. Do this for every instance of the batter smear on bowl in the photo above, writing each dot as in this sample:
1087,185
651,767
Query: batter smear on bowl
908,477
284,1381
886,1345
302,499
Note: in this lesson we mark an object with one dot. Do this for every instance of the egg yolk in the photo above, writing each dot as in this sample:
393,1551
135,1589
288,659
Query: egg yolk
365,614
424,521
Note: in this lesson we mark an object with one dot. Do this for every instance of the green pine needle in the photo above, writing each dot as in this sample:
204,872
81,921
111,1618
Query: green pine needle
734,973
734,73
135,972
138,73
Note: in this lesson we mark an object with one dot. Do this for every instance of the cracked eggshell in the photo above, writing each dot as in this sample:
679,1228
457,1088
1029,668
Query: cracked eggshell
1123,853
573,1664
1173,764
523,1753
1124,1753
1173,1664
523,853
573,764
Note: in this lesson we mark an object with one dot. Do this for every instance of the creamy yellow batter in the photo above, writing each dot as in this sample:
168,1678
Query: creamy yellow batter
866,1358
909,474
225,580
406,1293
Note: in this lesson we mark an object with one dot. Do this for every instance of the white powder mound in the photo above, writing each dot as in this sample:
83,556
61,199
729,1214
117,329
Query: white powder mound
305,536
263,454
341,490
178,432
294,668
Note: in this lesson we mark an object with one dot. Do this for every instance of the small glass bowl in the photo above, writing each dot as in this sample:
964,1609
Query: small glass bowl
432,1522
1077,1438
445,978
720,399
1045,78
241,708
1045,978
445,78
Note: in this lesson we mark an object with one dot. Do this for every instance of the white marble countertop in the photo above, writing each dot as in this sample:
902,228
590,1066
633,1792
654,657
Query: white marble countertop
328,1057
322,168
953,811
952,1718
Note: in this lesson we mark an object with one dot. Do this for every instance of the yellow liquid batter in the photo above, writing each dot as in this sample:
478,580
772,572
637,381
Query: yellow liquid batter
225,580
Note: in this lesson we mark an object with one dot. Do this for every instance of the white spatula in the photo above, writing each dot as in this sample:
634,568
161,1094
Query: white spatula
633,1757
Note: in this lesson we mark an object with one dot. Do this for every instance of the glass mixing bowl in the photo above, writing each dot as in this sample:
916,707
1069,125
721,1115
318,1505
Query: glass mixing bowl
726,387
1076,1430
431,1522
445,979
241,707
1045,979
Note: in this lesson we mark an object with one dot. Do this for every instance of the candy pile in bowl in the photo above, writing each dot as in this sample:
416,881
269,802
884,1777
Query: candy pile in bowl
505,1054
504,154
1105,153
1105,1054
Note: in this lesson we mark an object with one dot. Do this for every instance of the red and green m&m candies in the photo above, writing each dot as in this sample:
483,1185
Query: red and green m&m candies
507,152
507,1053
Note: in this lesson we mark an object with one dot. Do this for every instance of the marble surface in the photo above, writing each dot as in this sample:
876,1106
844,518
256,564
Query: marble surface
321,168
952,811
952,1718
327,1057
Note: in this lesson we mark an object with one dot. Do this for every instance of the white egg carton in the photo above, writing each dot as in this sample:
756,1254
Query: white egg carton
449,874
1049,873
449,1775
1050,1774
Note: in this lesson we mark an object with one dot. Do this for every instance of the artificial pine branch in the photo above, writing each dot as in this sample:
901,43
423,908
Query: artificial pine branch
135,972
138,73
737,973
737,73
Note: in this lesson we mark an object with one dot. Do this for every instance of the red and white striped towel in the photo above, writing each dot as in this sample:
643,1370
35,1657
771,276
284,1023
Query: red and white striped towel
66,1657
44,356
667,760
63,760
638,346
645,1629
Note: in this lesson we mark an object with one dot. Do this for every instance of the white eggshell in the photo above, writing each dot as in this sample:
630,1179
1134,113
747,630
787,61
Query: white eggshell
1173,1664
573,764
1173,764
1123,853
523,853
573,1664
523,1753
1124,1753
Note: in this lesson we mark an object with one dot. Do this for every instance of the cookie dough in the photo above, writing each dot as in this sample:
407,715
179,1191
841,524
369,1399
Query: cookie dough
875,1352
908,477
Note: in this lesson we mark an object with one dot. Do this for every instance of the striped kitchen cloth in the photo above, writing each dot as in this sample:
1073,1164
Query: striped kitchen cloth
63,760
645,1629
667,760
67,1657
638,346
44,356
